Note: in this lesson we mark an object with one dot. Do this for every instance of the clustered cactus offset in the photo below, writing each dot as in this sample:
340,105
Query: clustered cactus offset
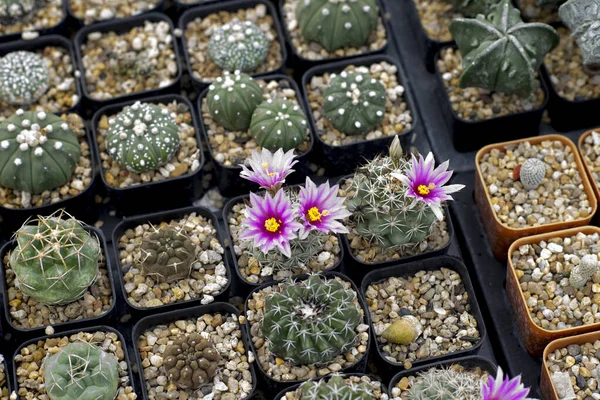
167,254
12,11
445,384
191,361
279,124
581,17
583,272
335,388
38,152
531,173
24,77
81,371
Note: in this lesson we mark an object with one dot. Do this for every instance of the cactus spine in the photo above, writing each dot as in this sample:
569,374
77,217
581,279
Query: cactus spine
335,388
532,173
302,252
279,124
445,384
167,254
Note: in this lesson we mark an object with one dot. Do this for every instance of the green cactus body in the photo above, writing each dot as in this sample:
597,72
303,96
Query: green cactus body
239,46
167,254
472,8
38,152
581,17
142,137
336,24
354,102
55,259
81,371
335,388
445,384
311,321
302,252
500,53
232,99
279,124
12,11
24,77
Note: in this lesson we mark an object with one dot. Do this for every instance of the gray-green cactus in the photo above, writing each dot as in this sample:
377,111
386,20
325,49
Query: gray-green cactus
232,99
24,77
279,124
583,272
445,384
354,102
38,152
532,173
302,252
311,321
12,11
500,53
55,259
81,371
335,388
581,17
336,24
167,254
472,8
239,46
142,137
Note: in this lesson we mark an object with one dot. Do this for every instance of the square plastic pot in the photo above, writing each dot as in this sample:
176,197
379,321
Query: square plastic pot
57,29
281,395
500,236
429,264
160,7
588,169
152,196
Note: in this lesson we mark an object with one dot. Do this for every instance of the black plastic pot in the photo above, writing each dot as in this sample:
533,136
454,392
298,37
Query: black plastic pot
273,386
156,219
281,395
190,313
345,158
57,29
147,197
386,366
122,26
160,7
473,135
205,10
228,177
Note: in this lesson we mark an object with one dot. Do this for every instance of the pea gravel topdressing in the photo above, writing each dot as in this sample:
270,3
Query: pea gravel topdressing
547,13
3,383
45,17
580,364
590,152
435,16
98,10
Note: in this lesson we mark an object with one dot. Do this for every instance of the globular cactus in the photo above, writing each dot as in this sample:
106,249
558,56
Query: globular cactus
56,259
445,384
142,137
232,99
336,24
81,371
500,53
354,102
311,321
12,11
38,152
532,173
24,77
583,272
404,330
302,252
132,64
167,254
472,8
239,46
335,388
190,361
582,19
279,124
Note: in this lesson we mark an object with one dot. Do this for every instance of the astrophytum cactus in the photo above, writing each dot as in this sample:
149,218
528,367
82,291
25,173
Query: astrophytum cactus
582,17
279,124
191,361
24,77
583,272
12,11
167,254
335,388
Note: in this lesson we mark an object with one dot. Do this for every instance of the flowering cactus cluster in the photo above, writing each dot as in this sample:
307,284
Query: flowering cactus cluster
279,124
238,45
24,77
12,11
335,388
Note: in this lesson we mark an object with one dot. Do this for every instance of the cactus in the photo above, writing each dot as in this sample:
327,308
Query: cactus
583,272
81,371
354,102
335,388
445,384
581,17
232,99
279,124
472,8
12,11
336,24
239,46
501,53
311,321
142,137
38,152
403,331
24,77
132,64
302,252
532,173
167,254
190,361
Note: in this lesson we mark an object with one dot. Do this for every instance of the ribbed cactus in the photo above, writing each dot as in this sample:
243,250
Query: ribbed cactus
81,371
582,17
142,137
232,99
532,173
279,124
354,102
445,384
583,272
191,361
38,152
472,8
56,259
24,77
337,23
335,388
302,252
167,254
238,45
500,53
311,321
12,11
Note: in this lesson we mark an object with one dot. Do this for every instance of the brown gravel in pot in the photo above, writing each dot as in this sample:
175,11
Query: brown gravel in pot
3,383
99,10
46,17
435,16
574,369
531,12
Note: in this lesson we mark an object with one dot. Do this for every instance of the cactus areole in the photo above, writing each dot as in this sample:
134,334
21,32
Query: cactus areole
582,18
24,77
336,388
167,254
279,124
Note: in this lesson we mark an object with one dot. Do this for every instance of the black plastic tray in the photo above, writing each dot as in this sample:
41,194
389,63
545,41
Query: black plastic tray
57,29
160,6
281,395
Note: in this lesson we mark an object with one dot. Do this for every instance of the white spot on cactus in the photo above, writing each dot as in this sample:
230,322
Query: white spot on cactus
38,151
11,127
379,113
26,123
24,146
367,9
58,145
41,115
4,145
19,112
357,124
348,25
325,11
64,126
18,162
341,111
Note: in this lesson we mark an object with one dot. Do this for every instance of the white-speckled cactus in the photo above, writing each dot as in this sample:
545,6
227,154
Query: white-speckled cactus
279,124
12,11
583,272
582,19
532,173
24,77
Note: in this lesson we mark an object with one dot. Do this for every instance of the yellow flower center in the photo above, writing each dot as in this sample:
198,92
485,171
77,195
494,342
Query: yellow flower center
272,225
266,166
315,215
424,190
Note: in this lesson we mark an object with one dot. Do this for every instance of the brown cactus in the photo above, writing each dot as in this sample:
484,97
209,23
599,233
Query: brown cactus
167,254
191,361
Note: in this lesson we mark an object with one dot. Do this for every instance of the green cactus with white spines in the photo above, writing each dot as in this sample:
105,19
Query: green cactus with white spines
311,321
232,99
81,371
12,11
354,102
336,24
279,124
335,388
445,384
238,45
302,252
38,152
142,137
24,77
55,259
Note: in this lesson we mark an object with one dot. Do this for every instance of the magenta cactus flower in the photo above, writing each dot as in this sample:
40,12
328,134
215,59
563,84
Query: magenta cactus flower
504,388
268,169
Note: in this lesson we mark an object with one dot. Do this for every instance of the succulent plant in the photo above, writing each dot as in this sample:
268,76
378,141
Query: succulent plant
583,272
354,102
279,124
311,321
302,252
12,11
238,45
55,259
167,254
142,137
232,99
133,64
581,17
335,388
404,330
500,53
81,371
531,173
337,23
24,77
445,384
38,152
472,8
191,361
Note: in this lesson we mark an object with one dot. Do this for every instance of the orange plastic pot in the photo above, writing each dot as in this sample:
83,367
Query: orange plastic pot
588,168
500,236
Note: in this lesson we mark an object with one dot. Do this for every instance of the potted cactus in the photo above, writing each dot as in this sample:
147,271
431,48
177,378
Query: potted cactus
89,12
22,16
350,386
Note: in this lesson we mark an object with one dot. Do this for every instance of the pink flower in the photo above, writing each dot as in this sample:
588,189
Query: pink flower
321,209
503,388
268,169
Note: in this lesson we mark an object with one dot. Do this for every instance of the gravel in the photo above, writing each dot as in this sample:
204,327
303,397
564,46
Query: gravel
99,10
590,152
580,364
531,12
377,388
48,16
3,381
435,16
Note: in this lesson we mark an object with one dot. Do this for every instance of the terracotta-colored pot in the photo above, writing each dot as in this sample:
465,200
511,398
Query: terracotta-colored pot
501,236
588,168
